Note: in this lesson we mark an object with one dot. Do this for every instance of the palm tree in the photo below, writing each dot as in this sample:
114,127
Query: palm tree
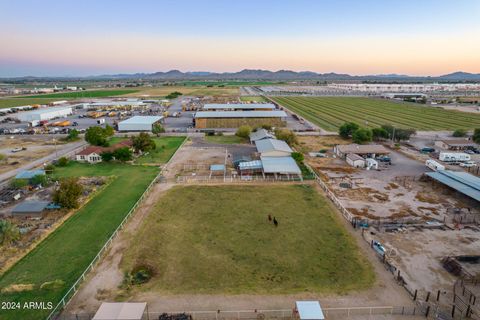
8,232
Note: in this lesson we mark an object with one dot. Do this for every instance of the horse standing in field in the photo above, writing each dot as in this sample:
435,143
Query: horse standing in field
275,222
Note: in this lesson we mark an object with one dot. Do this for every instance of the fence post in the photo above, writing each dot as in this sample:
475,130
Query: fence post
453,310
427,311
438,295
415,295
428,296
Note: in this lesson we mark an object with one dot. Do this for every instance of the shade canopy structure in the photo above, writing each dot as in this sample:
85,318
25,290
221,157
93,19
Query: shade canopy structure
121,311
309,310
280,165
462,182
217,167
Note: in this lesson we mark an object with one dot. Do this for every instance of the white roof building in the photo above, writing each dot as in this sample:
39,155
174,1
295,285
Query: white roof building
273,148
44,114
139,123
239,106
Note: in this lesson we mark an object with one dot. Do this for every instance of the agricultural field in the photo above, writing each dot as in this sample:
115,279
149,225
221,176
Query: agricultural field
185,90
62,257
86,94
218,240
16,102
331,112
166,147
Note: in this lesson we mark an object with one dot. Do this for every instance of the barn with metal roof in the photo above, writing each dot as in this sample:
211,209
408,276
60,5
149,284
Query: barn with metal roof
239,106
273,148
235,119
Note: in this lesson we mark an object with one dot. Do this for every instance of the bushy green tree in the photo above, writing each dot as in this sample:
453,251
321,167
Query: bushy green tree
244,131
362,135
8,232
68,193
107,156
157,128
39,179
49,168
96,136
62,162
379,133
109,131
143,142
459,133
72,135
298,157
476,135
123,154
286,135
19,183
347,129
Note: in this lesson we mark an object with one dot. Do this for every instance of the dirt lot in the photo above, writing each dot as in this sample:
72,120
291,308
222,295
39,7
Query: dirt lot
394,191
36,148
316,143
418,254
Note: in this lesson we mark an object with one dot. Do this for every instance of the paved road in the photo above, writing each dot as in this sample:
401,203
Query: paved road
62,150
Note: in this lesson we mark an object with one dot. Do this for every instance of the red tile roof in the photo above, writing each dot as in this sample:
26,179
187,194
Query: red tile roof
98,150
90,150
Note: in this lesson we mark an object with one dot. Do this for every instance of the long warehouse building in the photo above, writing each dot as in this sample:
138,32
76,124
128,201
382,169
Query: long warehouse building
139,123
235,119
44,114
239,106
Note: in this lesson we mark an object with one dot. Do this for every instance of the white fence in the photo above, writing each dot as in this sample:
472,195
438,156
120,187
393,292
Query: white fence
285,314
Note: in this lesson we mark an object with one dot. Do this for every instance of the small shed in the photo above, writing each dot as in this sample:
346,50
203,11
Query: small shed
121,311
30,208
217,169
355,160
309,310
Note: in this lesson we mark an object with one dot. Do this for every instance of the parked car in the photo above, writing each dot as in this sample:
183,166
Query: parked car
427,150
384,159
468,164
18,149
470,151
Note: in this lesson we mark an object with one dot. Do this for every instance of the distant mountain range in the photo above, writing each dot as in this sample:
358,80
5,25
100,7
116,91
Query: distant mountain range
281,75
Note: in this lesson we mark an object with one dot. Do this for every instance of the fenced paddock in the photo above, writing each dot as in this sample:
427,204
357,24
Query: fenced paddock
378,312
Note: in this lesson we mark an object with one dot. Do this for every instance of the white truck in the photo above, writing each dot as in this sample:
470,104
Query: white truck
101,121
454,157
434,165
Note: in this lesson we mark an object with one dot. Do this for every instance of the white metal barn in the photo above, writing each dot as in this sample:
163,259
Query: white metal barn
139,123
44,114
273,148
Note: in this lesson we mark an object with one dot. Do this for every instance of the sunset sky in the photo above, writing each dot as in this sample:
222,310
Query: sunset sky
68,38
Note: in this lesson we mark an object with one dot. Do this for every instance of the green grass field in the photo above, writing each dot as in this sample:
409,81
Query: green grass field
253,99
217,240
15,102
66,253
86,94
225,139
166,147
330,112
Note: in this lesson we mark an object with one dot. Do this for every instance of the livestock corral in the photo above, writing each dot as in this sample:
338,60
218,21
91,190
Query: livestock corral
418,226
331,112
